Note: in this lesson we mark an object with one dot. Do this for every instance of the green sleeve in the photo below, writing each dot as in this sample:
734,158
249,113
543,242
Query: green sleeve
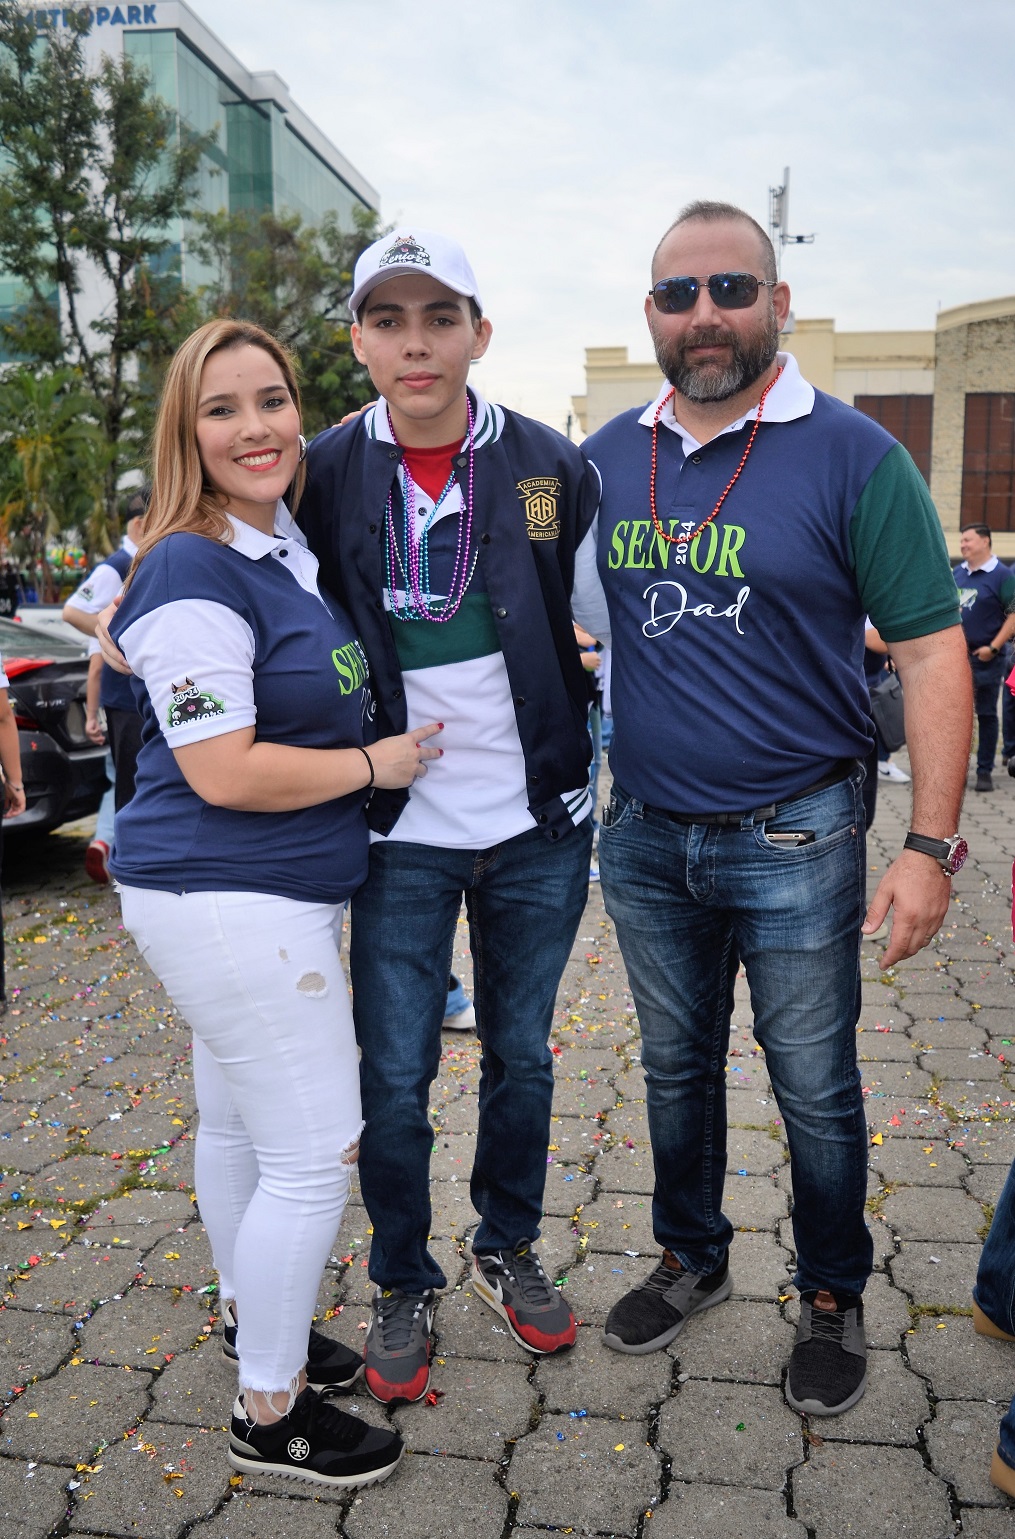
899,553
1008,594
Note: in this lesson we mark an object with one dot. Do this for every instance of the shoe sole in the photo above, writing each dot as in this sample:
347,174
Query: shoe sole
328,1386
249,1466
658,1342
816,1408
488,1296
983,1325
396,1398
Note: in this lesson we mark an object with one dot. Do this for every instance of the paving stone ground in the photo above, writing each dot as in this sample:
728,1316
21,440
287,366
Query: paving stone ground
114,1391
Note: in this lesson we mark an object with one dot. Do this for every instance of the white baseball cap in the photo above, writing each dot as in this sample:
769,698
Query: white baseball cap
413,251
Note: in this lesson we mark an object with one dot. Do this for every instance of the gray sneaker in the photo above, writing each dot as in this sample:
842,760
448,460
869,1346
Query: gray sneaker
828,1366
397,1348
651,1315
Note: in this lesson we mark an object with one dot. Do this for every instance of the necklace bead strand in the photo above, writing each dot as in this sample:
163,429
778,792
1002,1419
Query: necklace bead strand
688,539
414,569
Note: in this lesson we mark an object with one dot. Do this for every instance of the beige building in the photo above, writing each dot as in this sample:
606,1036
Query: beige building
947,394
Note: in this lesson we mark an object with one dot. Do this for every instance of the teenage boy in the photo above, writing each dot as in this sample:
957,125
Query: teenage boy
449,528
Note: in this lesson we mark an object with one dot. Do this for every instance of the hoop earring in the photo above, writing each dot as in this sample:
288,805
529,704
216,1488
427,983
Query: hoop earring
303,448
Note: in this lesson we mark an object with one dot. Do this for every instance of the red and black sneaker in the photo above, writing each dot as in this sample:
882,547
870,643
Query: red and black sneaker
97,861
397,1348
515,1285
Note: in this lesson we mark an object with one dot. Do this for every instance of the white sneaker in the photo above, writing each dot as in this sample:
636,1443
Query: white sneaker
464,1020
889,771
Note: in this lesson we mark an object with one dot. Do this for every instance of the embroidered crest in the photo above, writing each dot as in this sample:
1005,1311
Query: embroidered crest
191,704
405,250
539,499
86,592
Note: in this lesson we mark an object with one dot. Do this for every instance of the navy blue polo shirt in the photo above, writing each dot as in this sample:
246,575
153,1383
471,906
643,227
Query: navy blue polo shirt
224,637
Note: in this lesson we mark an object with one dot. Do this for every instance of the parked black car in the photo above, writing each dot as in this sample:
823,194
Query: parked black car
63,770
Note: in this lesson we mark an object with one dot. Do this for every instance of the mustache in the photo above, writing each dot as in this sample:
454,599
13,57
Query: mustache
709,336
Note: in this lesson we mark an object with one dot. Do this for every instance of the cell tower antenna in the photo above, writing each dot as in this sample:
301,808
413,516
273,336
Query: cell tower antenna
778,220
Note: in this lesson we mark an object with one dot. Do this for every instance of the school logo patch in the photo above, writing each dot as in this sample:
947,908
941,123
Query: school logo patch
403,251
189,704
539,499
86,592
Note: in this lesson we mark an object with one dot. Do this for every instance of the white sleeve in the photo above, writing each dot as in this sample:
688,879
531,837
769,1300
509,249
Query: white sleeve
4,680
98,589
197,661
588,601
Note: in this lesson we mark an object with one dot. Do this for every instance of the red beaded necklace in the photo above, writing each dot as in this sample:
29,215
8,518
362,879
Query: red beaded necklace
685,539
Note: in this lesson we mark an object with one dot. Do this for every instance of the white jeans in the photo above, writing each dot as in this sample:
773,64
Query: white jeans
276,1076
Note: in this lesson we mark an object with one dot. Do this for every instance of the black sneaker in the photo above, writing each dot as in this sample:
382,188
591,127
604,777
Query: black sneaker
984,781
515,1285
316,1442
828,1365
651,1315
397,1350
330,1365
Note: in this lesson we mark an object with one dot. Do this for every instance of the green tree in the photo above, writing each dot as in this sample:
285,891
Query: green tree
294,280
52,455
97,173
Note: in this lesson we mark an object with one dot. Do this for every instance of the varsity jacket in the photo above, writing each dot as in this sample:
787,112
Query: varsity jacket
534,498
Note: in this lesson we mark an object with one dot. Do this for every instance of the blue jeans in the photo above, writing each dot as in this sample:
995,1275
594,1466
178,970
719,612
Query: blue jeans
987,679
691,901
524,900
995,1290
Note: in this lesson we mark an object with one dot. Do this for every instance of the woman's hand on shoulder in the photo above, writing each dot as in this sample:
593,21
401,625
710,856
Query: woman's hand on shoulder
398,761
111,653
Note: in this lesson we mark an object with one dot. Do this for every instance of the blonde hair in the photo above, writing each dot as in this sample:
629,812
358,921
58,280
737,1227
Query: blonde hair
182,500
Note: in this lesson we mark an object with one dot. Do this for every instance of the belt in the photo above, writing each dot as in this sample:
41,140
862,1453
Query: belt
839,772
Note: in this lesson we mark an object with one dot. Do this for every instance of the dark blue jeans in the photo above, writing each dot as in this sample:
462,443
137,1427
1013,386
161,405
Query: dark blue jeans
524,900
995,1290
987,679
691,902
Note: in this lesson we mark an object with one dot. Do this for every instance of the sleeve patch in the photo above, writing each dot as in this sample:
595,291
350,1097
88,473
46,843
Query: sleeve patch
190,703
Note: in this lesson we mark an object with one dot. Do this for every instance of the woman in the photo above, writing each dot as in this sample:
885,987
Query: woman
245,836
13,795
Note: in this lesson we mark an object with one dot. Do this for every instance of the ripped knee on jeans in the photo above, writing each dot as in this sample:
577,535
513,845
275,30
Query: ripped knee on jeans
350,1154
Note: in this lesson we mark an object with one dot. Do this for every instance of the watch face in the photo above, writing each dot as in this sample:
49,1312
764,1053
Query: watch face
960,849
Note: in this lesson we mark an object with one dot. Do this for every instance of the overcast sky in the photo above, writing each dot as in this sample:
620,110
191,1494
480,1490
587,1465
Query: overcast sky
557,138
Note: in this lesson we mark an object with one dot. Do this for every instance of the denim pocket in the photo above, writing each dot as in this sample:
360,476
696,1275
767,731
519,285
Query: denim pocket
620,810
832,815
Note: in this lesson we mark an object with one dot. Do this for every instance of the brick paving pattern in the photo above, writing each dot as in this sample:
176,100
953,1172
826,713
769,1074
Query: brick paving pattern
115,1391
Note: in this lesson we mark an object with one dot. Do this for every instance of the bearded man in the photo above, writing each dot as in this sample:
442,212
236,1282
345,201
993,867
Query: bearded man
749,524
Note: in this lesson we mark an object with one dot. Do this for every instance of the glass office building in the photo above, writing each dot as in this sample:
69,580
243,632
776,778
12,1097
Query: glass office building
265,155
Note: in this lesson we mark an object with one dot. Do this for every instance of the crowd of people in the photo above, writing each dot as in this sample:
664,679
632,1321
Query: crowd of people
363,669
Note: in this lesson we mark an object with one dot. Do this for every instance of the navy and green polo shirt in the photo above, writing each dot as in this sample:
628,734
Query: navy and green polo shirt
738,664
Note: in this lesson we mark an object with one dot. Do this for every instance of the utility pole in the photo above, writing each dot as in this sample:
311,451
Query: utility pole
778,221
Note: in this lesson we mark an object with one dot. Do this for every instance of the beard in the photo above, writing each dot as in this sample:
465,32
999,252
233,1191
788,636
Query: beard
710,381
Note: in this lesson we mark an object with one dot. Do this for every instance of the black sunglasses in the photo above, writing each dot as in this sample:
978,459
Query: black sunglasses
728,291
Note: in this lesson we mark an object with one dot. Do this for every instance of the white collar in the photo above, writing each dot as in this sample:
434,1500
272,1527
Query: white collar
790,397
128,545
988,566
487,428
252,543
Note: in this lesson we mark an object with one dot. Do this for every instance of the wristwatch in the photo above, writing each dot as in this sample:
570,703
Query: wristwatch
950,854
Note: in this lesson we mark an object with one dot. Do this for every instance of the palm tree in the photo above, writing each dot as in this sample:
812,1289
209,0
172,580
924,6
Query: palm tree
52,459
